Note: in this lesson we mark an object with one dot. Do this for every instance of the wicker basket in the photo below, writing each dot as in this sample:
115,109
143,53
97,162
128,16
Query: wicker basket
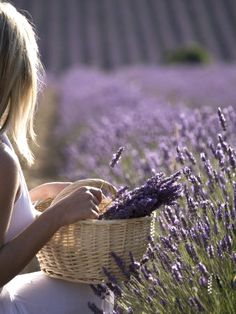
79,251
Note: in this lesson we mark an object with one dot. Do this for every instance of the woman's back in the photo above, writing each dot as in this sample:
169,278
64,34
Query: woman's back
23,212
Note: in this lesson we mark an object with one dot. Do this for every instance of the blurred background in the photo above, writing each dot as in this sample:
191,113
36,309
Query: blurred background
147,75
108,34
127,73
106,59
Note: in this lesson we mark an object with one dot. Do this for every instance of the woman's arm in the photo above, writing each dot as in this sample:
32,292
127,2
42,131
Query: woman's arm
47,190
16,254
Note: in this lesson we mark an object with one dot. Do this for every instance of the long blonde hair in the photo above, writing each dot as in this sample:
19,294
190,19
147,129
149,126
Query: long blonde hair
20,75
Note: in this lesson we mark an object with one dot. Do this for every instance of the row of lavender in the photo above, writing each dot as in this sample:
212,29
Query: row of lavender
135,108
195,239
111,33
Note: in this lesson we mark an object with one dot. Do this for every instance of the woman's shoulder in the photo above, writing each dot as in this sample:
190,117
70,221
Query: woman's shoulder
8,164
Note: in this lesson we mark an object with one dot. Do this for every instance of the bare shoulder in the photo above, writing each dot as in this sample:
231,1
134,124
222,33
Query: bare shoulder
9,183
8,169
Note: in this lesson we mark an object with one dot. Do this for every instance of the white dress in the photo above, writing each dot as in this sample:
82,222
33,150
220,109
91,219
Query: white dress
36,293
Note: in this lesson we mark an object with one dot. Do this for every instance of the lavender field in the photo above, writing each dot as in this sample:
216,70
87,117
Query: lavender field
167,119
147,110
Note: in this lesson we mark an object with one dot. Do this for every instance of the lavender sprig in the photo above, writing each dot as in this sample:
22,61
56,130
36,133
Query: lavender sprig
93,307
222,119
116,157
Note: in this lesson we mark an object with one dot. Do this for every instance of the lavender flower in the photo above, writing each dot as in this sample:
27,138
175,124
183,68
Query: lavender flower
232,158
120,263
234,257
142,201
191,251
203,281
134,266
210,251
222,119
180,156
130,310
177,274
122,190
116,157
202,268
93,307
190,156
110,276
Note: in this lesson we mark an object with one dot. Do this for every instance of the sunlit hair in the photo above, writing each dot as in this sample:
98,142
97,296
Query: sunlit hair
20,73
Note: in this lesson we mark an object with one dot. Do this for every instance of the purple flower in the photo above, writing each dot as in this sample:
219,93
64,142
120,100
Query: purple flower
163,302
234,257
177,273
222,119
202,268
135,265
93,307
115,288
120,263
191,251
116,157
228,242
110,276
100,290
130,310
232,158
180,156
220,250
142,201
203,281
190,156
210,251
223,144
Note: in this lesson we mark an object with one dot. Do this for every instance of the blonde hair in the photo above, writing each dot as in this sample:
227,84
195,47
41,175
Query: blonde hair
20,72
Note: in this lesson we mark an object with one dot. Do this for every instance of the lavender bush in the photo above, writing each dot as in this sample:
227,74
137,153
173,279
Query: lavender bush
190,265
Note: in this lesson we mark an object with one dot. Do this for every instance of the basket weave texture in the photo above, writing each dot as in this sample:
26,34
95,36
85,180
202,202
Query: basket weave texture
78,252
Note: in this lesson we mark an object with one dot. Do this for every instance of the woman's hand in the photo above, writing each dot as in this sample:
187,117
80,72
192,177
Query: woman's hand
80,204
105,186
47,190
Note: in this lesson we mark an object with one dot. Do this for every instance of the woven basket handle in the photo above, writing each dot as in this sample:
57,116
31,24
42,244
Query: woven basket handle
97,183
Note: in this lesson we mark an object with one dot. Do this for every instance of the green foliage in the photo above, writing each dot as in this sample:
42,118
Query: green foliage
192,54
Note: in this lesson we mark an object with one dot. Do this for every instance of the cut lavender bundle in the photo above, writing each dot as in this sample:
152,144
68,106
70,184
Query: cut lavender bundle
142,201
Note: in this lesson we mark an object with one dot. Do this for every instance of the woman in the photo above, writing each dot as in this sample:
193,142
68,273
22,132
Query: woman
22,232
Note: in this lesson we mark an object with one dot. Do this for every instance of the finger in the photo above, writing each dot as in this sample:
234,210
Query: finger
96,193
93,197
100,184
92,214
94,206
82,189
